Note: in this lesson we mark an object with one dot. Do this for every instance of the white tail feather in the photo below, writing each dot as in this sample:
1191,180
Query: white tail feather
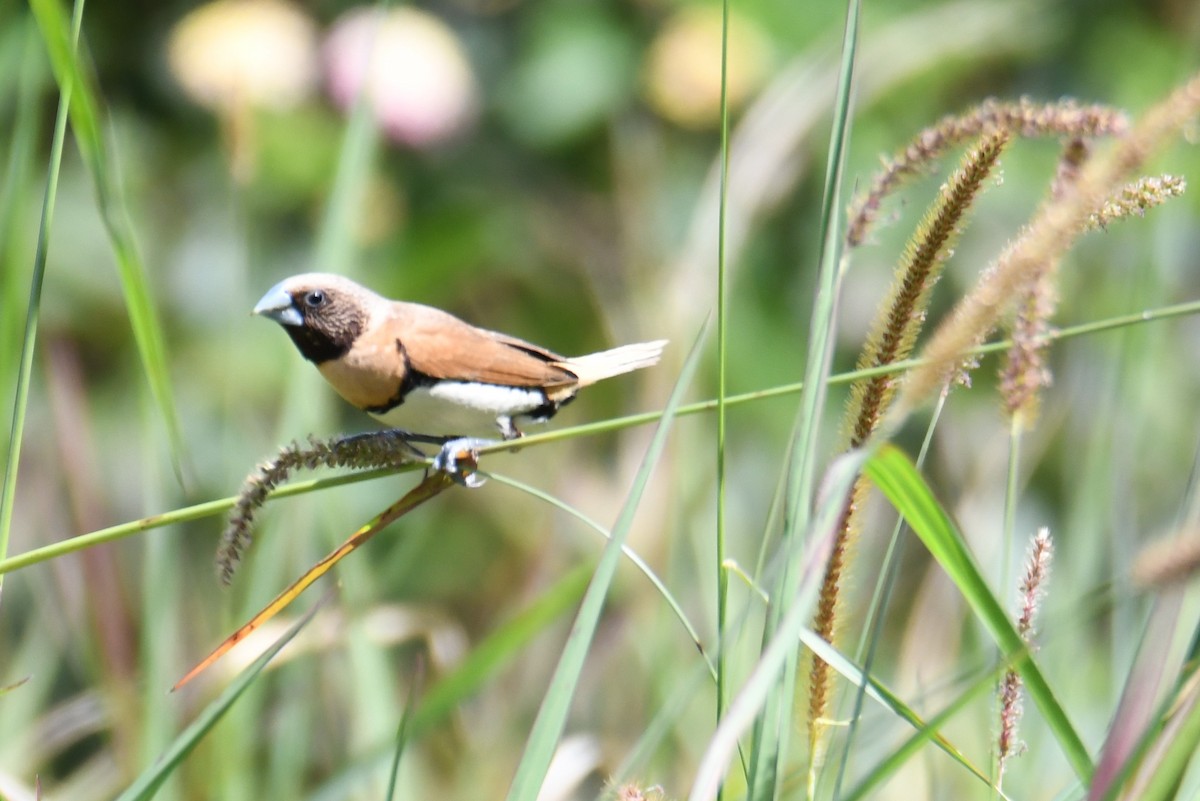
608,363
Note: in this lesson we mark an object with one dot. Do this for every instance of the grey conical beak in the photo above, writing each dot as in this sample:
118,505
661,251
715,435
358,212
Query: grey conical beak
277,304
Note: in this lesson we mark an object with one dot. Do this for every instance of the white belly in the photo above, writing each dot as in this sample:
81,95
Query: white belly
460,408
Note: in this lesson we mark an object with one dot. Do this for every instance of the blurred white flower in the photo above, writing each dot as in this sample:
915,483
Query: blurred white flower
682,75
231,53
420,85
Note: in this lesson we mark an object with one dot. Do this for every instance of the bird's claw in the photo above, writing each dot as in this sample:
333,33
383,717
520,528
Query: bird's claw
459,459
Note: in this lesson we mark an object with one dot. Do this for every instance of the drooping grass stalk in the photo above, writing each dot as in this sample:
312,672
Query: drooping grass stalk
1024,373
386,448
632,556
1022,118
33,310
1051,233
892,338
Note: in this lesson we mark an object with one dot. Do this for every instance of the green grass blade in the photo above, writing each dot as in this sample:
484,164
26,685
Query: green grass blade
8,493
763,681
631,555
14,189
771,733
895,476
877,690
335,240
403,733
495,650
1179,744
722,669
873,625
75,82
148,783
552,716
925,733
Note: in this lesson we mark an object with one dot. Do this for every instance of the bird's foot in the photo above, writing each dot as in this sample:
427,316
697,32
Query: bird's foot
459,459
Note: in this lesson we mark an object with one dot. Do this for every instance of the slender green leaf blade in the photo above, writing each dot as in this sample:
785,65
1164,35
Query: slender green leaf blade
667,596
895,476
8,492
552,716
148,783
496,649
926,732
763,683
772,732
877,690
1177,747
70,71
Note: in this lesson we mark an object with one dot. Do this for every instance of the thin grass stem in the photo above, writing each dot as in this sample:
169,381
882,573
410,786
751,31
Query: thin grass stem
631,555
33,314
722,333
880,598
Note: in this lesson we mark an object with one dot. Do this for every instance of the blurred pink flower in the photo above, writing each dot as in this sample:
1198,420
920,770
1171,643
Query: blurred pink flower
414,68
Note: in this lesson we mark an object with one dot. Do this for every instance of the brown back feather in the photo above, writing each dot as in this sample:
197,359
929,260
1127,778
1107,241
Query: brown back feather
442,346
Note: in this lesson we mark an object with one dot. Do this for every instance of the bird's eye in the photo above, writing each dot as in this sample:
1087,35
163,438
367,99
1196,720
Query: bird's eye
314,299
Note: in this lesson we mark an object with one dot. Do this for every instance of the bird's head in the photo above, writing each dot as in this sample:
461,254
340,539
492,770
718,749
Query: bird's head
322,313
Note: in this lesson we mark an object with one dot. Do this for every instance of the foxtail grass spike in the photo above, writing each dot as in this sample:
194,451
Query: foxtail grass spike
364,451
1168,562
1136,198
1024,373
1051,232
891,339
1023,118
1033,589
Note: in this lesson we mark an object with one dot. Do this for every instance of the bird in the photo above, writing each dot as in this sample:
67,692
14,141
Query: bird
424,371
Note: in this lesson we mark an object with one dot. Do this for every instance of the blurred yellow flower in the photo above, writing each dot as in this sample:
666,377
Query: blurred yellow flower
420,84
682,74
231,53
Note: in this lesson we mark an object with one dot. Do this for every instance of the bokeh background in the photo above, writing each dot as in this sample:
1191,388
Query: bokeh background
548,169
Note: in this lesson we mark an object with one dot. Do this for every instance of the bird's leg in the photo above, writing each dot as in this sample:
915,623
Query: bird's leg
508,429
